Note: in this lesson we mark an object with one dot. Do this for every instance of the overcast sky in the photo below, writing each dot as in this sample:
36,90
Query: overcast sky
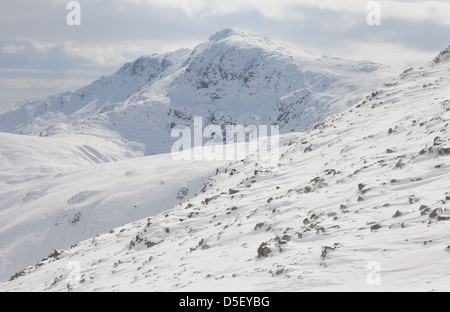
41,54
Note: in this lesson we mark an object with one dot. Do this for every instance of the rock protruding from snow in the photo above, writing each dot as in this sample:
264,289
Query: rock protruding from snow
443,57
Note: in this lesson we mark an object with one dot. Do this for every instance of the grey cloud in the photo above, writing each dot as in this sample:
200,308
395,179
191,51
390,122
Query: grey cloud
32,57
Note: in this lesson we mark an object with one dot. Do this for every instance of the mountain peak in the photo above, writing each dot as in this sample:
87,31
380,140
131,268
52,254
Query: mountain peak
225,33
443,57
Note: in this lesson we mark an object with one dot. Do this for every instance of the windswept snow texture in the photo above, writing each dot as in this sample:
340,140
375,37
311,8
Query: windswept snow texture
54,194
364,189
234,78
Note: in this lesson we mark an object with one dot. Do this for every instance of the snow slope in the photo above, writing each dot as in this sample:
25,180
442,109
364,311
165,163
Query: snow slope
57,191
365,188
235,77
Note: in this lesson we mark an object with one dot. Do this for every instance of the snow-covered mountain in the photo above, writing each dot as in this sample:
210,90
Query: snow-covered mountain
235,77
366,191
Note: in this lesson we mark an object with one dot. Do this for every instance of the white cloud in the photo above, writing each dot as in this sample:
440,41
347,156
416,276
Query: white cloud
72,54
41,83
12,48
268,8
117,53
437,11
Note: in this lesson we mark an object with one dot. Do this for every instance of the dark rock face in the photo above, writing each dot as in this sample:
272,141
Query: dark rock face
435,213
445,151
263,250
182,193
442,57
375,227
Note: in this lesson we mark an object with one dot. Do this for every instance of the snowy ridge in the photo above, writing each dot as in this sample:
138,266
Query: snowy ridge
443,57
369,185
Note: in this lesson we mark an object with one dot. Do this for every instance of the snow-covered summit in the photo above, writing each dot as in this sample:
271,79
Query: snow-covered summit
224,34
232,37
236,77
